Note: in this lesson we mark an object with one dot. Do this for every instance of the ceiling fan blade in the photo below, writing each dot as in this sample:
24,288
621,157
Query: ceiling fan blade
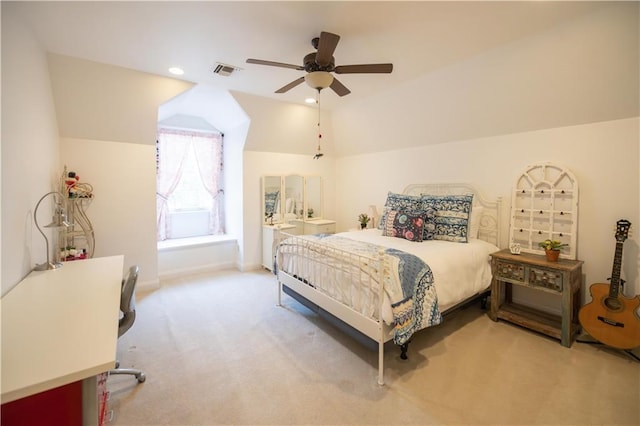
364,69
290,86
326,47
275,64
339,88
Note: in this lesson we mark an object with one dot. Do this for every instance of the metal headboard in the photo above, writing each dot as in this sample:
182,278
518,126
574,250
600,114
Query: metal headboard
490,220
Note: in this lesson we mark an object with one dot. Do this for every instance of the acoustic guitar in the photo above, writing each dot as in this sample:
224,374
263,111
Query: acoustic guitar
611,318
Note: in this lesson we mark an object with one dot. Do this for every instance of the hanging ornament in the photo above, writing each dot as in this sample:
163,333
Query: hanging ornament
319,152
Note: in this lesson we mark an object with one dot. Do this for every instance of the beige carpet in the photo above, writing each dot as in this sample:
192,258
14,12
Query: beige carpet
217,350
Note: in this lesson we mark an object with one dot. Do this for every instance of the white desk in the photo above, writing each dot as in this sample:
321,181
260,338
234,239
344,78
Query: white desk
61,326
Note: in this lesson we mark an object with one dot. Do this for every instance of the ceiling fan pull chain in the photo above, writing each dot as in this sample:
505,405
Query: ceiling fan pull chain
319,153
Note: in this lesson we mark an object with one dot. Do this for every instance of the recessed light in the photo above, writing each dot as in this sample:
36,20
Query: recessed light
176,71
310,100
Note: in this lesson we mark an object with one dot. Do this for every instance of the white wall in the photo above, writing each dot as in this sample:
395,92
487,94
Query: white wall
179,261
123,210
603,156
108,120
234,180
30,156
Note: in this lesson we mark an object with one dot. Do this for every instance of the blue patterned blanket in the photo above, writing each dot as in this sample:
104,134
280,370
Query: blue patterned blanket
408,281
415,303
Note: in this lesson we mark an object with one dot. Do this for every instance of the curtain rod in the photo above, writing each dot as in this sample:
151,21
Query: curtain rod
214,132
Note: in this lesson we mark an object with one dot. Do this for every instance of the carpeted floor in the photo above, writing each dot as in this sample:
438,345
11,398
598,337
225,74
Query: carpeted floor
217,350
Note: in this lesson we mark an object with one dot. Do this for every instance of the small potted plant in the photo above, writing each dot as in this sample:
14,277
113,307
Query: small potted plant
552,249
364,219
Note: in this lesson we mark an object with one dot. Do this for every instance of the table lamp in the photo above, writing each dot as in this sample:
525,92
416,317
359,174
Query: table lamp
59,220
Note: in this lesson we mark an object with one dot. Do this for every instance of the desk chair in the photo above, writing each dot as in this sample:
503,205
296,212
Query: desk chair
128,309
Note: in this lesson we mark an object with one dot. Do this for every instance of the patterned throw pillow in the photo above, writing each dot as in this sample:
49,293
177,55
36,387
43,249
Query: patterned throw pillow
429,230
404,224
399,202
452,216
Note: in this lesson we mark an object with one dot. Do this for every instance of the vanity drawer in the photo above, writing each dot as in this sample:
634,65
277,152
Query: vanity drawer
328,228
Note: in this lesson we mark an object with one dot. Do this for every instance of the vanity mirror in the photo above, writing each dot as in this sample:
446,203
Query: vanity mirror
305,192
295,200
272,200
292,204
313,197
302,198
294,197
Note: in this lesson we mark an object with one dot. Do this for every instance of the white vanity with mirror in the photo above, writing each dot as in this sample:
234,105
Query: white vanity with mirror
291,203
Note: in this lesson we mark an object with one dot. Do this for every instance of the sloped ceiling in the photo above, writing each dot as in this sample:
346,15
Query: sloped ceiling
583,71
461,69
108,103
417,37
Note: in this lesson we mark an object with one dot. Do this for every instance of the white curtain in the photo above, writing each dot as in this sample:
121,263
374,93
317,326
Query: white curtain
173,148
209,158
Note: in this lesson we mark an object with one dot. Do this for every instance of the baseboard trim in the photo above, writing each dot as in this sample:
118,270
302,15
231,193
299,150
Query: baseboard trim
248,267
174,273
148,285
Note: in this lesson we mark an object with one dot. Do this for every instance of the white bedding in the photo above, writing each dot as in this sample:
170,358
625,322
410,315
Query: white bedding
460,271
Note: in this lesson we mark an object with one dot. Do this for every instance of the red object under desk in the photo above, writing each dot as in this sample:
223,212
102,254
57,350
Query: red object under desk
55,407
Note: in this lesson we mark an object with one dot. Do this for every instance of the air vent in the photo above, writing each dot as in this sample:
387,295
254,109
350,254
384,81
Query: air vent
224,69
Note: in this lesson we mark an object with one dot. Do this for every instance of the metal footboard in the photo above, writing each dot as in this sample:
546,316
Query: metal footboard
347,285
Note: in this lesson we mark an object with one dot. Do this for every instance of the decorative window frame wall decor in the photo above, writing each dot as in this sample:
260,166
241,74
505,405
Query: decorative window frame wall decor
544,206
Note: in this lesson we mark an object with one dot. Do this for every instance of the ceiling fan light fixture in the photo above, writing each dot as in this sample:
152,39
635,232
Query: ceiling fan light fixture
319,79
321,64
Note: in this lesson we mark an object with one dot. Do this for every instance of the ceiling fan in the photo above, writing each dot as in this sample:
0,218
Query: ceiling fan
319,66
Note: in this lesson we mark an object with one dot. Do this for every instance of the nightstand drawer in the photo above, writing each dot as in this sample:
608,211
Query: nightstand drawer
511,271
539,277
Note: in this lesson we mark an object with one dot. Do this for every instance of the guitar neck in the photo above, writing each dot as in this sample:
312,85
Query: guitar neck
615,273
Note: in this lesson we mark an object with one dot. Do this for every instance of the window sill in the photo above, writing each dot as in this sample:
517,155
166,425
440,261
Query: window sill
208,240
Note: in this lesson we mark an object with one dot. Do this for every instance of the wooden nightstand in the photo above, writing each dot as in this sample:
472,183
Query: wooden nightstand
562,278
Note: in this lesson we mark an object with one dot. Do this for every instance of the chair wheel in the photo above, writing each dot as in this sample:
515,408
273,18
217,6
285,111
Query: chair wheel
141,377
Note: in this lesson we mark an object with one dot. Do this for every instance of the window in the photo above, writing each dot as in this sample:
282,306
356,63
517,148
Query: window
189,184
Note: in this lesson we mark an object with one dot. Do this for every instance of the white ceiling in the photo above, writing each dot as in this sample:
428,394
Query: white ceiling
417,37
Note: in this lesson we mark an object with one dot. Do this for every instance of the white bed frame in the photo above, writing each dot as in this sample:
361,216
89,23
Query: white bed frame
375,328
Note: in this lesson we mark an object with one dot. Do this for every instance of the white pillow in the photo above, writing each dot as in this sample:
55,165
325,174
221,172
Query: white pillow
474,221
